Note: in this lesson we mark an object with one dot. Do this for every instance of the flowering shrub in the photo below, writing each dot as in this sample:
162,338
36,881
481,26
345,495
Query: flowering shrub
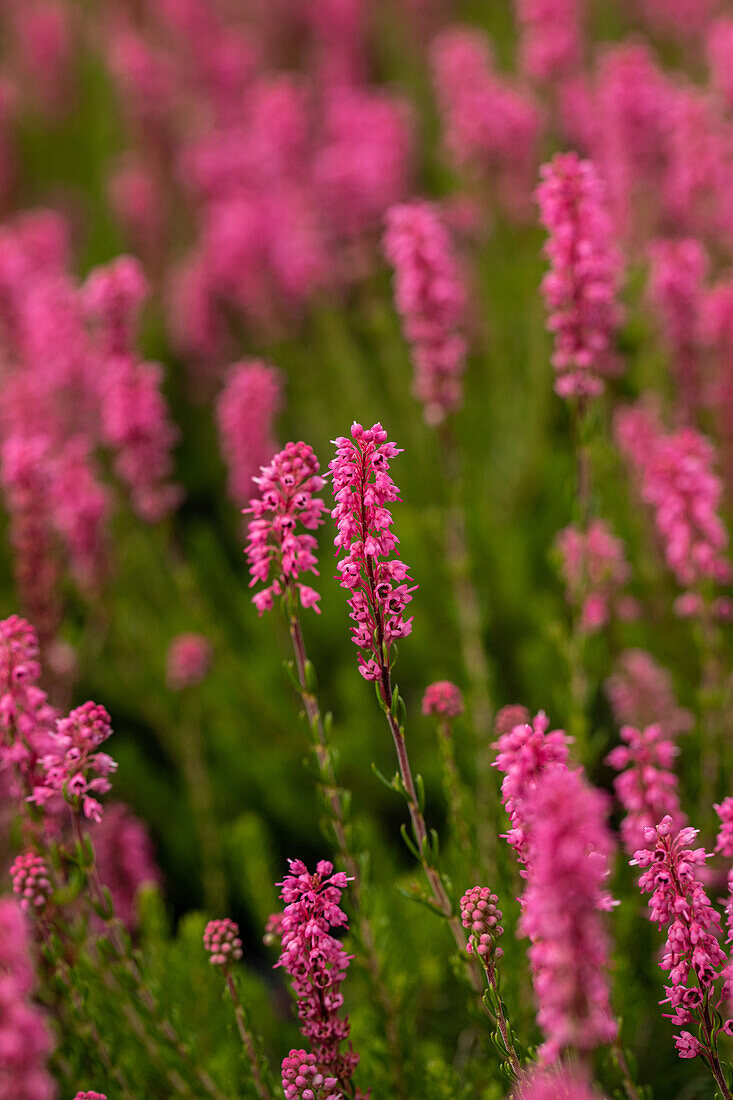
344,319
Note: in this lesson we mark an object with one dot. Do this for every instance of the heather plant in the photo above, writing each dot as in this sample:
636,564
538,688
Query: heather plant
365,400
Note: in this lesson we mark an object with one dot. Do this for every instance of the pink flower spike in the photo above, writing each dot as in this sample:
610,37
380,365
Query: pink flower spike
73,767
25,1041
302,1080
31,882
189,660
647,786
378,581
222,941
277,552
570,848
245,411
430,298
581,287
442,699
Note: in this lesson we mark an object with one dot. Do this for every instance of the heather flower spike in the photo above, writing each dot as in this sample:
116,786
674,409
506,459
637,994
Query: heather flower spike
276,551
693,956
581,286
74,768
31,882
379,583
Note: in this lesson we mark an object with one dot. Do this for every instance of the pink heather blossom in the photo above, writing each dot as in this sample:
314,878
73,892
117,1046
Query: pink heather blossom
288,488
697,189
679,483
25,1041
73,767
222,941
125,859
647,786
113,297
189,659
678,901
717,323
630,138
31,882
362,164
636,429
581,286
556,1083
26,718
595,571
90,1096
524,754
724,846
641,693
379,584
245,411
678,269
511,715
136,425
42,46
316,963
481,918
442,699
302,1080
551,37
683,19
570,849
430,298
720,58
490,126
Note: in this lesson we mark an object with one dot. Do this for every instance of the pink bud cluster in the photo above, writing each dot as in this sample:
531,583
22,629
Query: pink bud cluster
678,269
189,659
222,941
680,484
551,37
640,692
481,917
724,846
442,699
430,298
581,286
595,571
316,963
125,859
25,1042
26,718
671,871
90,1096
31,882
647,786
556,1083
570,851
276,550
74,768
491,125
378,582
524,754
302,1080
245,412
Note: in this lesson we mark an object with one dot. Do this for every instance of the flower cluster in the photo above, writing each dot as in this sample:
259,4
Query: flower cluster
679,902
380,590
245,411
481,917
442,699
31,882
74,768
125,859
189,659
724,845
222,941
581,286
551,37
524,754
595,571
302,1080
647,786
316,963
676,283
641,694
679,483
90,1096
430,298
25,1042
568,867
26,717
288,496
491,124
